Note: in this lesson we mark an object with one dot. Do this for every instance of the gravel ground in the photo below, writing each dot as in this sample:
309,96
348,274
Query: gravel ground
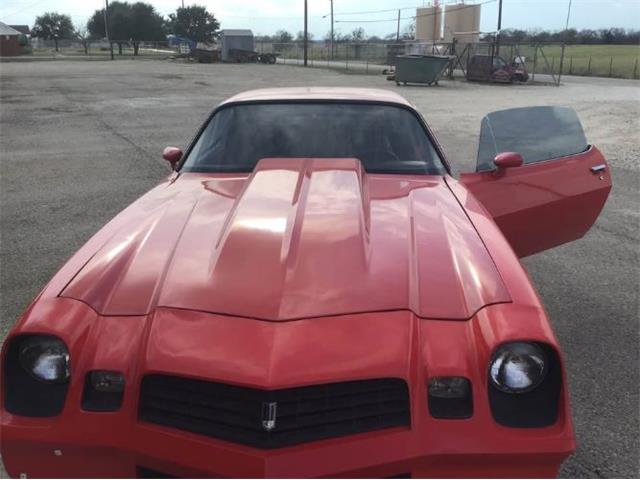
81,140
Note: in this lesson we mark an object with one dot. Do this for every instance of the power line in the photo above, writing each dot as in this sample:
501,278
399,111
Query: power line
372,21
261,17
367,12
15,12
453,9
374,11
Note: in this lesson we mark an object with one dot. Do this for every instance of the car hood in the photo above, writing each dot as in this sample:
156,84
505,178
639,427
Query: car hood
297,238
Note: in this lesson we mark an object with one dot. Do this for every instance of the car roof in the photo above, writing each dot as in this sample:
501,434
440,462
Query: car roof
319,94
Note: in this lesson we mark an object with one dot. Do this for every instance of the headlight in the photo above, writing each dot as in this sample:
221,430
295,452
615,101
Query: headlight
46,358
518,367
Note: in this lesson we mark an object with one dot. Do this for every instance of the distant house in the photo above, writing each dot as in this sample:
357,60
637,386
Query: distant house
235,39
23,29
9,41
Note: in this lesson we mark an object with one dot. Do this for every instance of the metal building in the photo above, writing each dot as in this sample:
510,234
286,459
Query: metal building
235,39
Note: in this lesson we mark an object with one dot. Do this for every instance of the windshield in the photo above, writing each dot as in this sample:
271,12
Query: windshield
386,139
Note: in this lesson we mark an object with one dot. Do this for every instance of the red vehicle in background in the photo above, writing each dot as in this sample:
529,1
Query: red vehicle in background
311,293
491,68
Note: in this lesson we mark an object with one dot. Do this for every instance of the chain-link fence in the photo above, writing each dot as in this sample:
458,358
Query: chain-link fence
620,61
99,48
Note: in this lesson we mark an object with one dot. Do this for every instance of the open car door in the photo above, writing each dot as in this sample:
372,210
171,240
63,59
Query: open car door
538,177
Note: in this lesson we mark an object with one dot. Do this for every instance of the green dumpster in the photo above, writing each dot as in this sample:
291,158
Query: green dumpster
420,68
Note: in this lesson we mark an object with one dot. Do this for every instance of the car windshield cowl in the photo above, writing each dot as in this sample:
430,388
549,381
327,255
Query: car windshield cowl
385,138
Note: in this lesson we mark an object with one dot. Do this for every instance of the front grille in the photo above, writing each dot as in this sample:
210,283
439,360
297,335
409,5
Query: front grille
303,414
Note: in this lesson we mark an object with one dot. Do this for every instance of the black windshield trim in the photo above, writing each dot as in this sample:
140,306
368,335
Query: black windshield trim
436,146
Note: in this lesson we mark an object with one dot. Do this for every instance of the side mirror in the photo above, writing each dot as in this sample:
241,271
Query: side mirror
172,155
507,160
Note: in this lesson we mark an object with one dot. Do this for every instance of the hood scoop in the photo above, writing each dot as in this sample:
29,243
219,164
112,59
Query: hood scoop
298,238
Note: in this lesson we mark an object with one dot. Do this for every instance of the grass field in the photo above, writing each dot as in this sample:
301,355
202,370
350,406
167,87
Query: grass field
597,60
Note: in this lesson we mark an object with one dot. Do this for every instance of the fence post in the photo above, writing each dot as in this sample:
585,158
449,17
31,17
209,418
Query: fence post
553,65
347,60
589,67
611,66
535,63
635,69
571,65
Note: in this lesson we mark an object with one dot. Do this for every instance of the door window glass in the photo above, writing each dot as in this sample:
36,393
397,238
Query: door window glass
537,133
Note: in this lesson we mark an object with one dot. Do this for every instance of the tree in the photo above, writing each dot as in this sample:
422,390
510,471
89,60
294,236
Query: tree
128,23
358,35
119,15
85,38
540,36
342,38
282,36
337,36
510,35
588,36
409,32
300,36
53,26
145,24
195,23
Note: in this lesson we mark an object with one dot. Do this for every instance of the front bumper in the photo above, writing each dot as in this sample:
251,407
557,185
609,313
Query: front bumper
95,445
78,443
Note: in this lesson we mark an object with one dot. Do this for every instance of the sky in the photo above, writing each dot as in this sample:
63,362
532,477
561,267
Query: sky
268,16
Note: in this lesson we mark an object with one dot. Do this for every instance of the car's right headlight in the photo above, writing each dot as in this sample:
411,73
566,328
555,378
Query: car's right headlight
518,367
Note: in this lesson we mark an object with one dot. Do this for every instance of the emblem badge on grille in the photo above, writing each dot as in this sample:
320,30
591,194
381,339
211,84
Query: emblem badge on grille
269,415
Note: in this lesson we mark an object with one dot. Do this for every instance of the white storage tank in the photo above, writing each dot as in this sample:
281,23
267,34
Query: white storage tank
429,24
462,21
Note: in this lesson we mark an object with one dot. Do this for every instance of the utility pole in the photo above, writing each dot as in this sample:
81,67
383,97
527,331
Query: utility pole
437,17
332,37
306,36
398,31
499,28
564,41
106,27
182,3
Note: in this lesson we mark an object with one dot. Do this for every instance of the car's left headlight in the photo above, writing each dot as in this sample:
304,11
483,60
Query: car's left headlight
46,358
518,367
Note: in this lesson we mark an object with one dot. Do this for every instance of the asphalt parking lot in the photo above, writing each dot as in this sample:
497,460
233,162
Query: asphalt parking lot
80,140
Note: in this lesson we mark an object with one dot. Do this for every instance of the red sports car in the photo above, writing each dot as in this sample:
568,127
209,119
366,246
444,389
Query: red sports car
311,293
